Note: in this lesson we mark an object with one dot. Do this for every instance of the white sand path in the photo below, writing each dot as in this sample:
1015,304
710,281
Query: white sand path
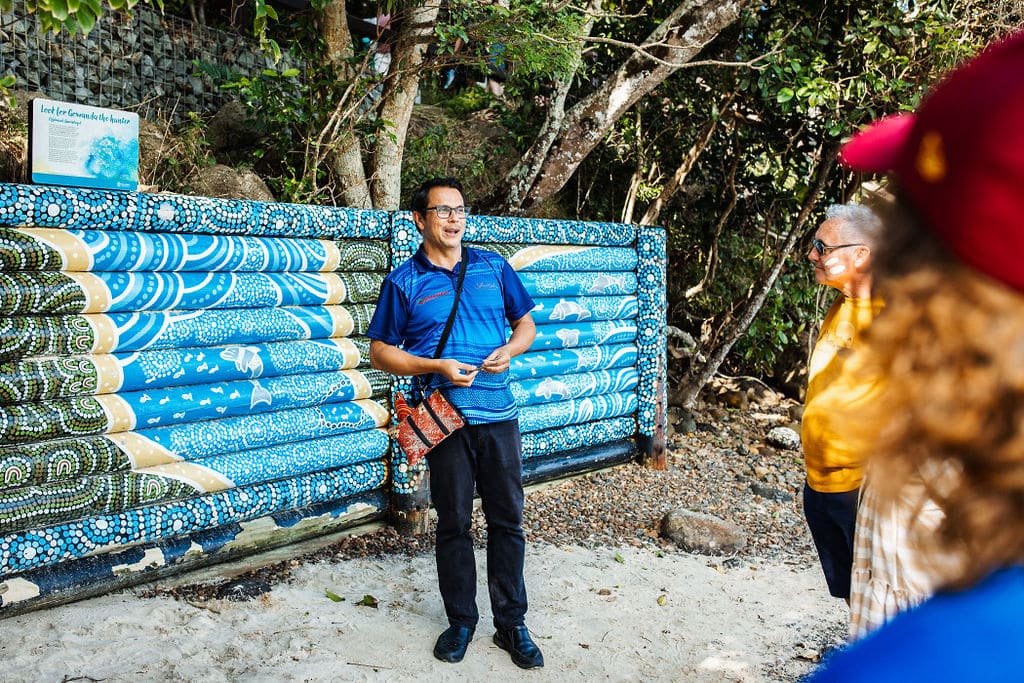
595,618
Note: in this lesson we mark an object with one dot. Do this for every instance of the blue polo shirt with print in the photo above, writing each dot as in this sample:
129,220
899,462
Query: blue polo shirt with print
415,300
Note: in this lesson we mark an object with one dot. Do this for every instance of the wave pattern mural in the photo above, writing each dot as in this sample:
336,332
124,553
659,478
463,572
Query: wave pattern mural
49,293
50,544
110,413
63,459
557,441
184,378
65,208
97,250
584,308
35,379
103,333
171,365
33,505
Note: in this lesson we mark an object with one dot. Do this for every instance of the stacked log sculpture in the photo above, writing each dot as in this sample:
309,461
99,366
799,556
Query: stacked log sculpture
185,379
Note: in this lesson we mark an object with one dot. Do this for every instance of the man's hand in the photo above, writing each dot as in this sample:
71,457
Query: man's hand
459,374
497,361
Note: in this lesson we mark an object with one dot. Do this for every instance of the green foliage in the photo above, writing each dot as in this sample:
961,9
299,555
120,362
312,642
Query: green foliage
264,13
839,69
444,148
72,15
188,155
286,109
776,336
819,70
276,99
521,123
429,154
7,82
299,190
529,40
468,100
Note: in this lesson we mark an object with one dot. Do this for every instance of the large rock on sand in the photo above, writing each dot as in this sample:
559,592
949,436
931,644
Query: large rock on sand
702,534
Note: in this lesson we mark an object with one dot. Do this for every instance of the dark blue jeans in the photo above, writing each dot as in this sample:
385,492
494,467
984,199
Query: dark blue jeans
832,518
488,457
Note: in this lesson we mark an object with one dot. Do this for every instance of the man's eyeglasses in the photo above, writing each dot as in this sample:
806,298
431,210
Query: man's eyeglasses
823,248
444,212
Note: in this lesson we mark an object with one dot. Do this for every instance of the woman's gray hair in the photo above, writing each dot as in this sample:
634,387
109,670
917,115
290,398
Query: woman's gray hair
859,222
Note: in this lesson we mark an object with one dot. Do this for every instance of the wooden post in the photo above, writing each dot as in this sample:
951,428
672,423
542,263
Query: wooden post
653,449
409,511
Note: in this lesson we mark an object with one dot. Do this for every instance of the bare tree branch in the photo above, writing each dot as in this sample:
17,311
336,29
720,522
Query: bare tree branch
712,263
699,375
650,217
589,121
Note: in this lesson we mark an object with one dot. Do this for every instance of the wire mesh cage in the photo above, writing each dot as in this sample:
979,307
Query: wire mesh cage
145,62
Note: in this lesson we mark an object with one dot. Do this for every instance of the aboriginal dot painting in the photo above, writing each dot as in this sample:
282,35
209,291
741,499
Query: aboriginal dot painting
184,379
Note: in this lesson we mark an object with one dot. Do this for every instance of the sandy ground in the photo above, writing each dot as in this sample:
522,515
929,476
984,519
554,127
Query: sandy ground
601,614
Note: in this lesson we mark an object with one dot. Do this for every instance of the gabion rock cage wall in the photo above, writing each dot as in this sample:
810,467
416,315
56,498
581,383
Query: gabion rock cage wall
143,62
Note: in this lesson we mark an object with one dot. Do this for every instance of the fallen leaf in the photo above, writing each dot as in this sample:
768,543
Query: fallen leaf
619,559
809,654
662,600
368,601
334,596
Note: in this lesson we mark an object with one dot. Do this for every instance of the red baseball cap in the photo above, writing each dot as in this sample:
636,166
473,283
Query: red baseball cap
959,159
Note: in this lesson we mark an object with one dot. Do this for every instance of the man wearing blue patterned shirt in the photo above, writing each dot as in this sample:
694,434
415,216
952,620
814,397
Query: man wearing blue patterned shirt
415,301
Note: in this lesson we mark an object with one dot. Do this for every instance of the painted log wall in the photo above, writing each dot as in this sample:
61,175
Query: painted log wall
185,379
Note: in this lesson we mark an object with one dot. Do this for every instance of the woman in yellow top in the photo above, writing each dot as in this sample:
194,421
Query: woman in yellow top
841,254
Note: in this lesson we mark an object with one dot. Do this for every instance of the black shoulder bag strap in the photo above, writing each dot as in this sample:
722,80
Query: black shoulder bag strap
455,305
417,390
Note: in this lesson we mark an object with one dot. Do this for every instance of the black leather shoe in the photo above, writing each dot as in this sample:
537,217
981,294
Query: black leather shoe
516,641
451,645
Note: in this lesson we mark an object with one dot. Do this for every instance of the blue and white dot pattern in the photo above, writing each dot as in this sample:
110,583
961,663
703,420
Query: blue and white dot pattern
651,323
174,367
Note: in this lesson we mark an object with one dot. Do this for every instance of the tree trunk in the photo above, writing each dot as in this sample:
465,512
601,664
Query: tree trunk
414,34
345,156
347,165
337,38
523,175
675,41
701,375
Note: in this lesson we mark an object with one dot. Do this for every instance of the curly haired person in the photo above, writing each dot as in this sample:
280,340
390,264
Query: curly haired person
952,344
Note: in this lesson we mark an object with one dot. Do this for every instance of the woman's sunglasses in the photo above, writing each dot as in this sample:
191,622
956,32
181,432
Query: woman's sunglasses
822,248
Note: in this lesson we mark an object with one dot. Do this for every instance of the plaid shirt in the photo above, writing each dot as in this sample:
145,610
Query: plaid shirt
890,574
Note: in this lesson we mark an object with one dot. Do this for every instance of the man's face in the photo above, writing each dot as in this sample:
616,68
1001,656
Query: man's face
836,267
442,233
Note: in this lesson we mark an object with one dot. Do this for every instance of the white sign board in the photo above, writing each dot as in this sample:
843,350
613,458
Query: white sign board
82,146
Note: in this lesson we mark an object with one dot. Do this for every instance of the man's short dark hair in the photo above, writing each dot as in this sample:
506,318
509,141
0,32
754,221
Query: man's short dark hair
419,199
